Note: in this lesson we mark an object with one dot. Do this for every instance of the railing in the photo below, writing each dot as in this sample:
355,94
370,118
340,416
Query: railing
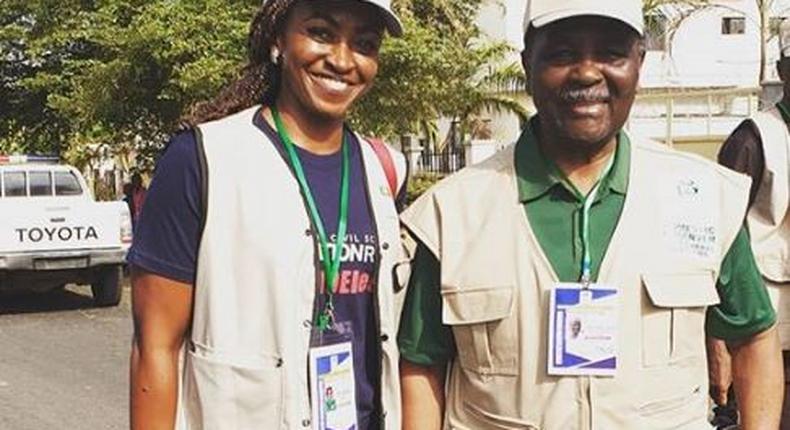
428,160
449,160
668,114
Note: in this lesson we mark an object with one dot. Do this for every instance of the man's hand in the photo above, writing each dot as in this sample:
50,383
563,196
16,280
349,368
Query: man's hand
759,380
719,370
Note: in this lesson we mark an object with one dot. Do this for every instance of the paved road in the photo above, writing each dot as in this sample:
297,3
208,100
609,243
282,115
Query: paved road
63,363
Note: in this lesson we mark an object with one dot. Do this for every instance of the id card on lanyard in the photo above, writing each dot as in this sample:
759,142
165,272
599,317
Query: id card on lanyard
583,316
331,354
332,383
583,330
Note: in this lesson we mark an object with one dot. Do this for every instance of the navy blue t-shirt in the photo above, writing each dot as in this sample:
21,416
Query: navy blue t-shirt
167,235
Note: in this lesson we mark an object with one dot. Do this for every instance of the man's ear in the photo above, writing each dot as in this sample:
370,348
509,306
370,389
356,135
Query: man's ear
642,48
782,68
527,70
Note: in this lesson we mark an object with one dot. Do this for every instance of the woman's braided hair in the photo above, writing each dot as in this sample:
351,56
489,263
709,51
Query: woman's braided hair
259,79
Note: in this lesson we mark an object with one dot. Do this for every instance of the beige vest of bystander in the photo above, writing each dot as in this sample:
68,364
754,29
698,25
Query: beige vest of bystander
769,218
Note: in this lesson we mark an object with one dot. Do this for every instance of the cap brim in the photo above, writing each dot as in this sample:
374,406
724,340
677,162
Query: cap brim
393,24
562,14
391,21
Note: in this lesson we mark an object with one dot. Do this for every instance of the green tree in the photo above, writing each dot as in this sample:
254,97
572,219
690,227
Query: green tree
29,71
443,67
112,73
112,77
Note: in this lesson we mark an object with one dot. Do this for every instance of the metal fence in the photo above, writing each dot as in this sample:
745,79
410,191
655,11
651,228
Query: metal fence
429,160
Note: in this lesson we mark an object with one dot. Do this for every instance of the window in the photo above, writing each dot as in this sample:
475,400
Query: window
14,184
40,184
656,29
66,184
733,25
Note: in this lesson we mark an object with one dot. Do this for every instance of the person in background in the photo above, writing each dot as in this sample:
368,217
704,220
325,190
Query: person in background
137,198
127,198
580,220
269,236
759,148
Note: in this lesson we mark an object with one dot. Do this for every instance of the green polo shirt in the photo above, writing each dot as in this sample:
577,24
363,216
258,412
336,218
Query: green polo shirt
553,209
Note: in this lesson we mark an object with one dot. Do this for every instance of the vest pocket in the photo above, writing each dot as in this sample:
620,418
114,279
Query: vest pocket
226,391
673,317
686,410
484,328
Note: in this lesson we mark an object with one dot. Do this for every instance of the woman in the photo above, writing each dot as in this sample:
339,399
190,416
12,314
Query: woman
229,251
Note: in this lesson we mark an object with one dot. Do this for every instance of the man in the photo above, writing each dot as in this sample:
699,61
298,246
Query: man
580,220
759,148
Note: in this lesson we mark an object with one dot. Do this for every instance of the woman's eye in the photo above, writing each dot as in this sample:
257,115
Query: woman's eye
368,45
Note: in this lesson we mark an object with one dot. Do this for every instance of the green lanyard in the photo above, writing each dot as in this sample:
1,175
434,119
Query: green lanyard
330,262
588,201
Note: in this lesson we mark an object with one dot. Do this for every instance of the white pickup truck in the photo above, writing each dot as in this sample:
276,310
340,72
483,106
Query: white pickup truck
52,232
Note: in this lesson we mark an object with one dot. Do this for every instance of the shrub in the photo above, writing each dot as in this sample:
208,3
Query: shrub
419,183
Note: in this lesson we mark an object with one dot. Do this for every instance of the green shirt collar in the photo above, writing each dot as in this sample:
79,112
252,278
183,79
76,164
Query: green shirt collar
536,176
784,110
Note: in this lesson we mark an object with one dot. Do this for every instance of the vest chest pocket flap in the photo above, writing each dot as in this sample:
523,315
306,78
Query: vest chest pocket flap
232,391
673,317
484,328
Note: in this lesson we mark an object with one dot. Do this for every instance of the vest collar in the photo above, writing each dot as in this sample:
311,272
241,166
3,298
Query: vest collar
536,176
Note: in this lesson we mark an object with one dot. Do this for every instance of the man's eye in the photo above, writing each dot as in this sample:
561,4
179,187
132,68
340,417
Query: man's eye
321,34
560,55
615,54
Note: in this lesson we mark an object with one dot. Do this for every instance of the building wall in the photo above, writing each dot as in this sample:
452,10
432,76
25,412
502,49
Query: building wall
701,56
502,20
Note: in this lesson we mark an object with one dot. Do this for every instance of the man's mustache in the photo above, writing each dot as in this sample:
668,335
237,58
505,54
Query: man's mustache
585,95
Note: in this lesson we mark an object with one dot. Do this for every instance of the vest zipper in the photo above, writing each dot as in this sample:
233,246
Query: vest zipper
376,305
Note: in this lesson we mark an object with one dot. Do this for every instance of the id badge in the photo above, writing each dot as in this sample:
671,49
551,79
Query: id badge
583,330
332,382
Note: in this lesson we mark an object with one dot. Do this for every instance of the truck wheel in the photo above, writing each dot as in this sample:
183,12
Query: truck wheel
106,287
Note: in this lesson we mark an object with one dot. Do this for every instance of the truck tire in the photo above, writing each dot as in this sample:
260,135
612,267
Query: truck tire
106,288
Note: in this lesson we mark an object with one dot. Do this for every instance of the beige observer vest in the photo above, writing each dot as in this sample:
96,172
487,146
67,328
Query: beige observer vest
768,218
245,365
681,215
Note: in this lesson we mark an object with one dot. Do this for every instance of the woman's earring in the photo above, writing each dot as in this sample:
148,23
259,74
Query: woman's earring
274,55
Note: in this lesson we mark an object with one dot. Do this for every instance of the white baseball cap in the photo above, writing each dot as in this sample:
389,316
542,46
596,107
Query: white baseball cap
784,37
542,12
391,21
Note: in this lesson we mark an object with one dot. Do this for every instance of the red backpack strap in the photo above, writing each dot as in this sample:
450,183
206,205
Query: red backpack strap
385,158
